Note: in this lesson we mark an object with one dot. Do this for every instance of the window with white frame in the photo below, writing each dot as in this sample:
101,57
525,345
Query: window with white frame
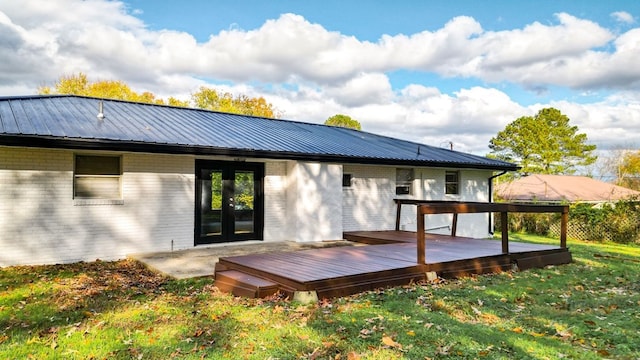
452,182
97,177
404,181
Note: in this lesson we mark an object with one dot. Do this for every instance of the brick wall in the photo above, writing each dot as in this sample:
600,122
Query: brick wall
275,201
40,223
314,201
368,204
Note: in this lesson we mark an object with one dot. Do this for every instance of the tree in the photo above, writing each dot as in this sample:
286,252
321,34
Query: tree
343,121
543,144
212,99
108,89
629,170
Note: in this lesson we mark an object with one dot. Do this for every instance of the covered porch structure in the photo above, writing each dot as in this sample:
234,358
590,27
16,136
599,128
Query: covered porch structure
392,257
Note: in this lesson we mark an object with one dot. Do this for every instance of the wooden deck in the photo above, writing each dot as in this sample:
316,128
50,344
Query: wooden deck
388,259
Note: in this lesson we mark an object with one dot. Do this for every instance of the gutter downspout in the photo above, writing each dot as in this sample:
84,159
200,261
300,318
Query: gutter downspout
490,182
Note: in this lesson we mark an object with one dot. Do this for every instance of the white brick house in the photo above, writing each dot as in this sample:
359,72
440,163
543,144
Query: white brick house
152,178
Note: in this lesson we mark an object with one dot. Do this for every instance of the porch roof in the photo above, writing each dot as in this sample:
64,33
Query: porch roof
69,121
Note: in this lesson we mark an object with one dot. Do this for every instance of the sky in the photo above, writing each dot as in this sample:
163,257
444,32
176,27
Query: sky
435,72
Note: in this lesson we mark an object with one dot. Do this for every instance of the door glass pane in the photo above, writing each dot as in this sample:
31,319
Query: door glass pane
244,202
211,203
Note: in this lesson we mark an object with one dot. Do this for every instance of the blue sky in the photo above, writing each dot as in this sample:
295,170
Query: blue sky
369,20
428,71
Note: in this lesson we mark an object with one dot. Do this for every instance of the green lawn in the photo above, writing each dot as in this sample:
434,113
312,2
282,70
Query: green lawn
585,310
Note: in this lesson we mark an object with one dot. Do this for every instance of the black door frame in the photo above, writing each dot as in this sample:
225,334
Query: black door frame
228,169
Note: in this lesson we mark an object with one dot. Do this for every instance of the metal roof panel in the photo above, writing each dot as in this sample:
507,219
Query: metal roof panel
74,118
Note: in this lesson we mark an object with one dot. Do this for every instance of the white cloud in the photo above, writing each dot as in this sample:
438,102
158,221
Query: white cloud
610,123
101,38
362,90
623,17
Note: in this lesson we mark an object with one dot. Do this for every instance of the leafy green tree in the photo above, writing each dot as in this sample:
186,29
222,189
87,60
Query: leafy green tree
629,170
543,144
212,99
343,121
78,84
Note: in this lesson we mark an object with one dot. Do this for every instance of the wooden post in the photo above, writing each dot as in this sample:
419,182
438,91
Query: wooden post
504,222
421,237
454,225
398,210
564,220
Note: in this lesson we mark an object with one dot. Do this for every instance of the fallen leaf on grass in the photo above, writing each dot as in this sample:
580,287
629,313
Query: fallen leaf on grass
328,344
603,352
388,341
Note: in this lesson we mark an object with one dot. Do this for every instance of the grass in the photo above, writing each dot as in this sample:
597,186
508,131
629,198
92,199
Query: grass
584,310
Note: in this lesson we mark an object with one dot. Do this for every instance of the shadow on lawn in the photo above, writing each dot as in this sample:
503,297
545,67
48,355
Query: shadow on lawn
40,300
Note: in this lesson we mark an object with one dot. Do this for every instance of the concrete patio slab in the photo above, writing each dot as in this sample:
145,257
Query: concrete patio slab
199,262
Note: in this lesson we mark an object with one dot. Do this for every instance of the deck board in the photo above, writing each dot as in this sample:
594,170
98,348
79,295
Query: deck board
394,258
313,265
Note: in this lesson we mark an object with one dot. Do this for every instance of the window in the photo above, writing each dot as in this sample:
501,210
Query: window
404,181
346,180
452,182
97,177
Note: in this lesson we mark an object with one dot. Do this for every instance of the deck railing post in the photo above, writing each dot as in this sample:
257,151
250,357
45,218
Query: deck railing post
454,225
420,236
398,210
504,224
564,220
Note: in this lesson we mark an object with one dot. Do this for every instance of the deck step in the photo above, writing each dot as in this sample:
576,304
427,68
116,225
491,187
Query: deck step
242,284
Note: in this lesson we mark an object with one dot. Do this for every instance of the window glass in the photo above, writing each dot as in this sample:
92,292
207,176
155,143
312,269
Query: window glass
404,180
97,177
346,180
452,182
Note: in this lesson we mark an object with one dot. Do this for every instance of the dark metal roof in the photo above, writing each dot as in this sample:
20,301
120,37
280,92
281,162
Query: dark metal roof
67,121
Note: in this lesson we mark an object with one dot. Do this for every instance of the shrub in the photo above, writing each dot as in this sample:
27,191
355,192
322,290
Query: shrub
618,222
